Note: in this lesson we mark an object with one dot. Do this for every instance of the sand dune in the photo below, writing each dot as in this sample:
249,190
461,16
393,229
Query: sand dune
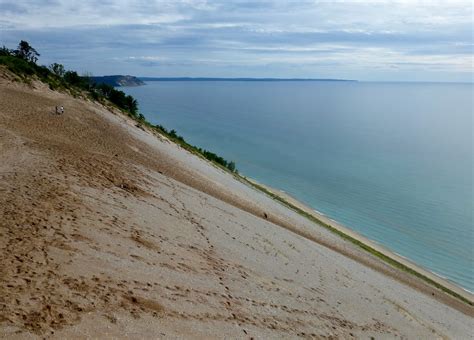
108,230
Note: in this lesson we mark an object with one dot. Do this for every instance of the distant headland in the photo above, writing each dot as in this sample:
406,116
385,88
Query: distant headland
236,79
118,80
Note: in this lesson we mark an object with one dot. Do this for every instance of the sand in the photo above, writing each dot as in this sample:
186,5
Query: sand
110,231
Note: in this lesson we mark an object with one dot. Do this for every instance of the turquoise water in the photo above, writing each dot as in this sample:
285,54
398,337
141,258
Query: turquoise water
392,161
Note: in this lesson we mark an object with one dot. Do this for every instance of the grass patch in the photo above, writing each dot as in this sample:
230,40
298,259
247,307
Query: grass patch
177,139
26,70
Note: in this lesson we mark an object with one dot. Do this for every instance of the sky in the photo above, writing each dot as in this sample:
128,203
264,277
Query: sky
364,40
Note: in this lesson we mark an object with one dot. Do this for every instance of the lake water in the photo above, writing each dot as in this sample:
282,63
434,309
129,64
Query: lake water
392,161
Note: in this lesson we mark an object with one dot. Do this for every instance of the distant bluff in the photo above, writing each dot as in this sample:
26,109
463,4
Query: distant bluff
118,80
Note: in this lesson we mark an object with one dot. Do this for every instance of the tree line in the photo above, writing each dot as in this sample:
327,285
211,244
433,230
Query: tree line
173,135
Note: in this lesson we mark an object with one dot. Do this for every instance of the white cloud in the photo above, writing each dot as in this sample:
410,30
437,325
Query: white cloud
415,35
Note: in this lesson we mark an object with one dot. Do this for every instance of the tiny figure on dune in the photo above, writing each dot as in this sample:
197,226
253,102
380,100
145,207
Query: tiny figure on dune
59,110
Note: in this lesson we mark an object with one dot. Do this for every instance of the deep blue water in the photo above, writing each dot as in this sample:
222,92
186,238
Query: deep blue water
392,161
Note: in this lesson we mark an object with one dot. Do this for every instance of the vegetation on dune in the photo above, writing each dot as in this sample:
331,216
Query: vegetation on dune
22,62
196,150
24,51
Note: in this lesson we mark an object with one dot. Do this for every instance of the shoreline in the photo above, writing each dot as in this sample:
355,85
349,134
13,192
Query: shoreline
292,203
348,244
366,251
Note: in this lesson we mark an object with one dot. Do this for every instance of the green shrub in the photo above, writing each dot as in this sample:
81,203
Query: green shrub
18,66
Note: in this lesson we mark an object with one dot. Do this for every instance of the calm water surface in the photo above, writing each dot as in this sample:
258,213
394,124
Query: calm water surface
392,161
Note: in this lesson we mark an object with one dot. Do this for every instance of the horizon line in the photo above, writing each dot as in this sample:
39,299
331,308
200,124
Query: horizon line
239,79
149,78
152,78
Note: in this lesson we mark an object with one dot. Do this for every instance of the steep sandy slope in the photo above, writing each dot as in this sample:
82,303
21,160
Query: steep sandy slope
108,231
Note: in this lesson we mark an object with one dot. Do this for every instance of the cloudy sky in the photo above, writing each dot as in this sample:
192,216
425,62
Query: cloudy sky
365,40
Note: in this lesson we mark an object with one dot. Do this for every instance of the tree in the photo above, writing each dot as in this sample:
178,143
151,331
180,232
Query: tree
74,79
57,69
131,104
27,52
105,89
173,134
231,166
5,51
87,76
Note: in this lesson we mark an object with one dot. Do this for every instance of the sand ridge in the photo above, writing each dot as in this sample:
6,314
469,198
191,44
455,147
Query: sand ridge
106,231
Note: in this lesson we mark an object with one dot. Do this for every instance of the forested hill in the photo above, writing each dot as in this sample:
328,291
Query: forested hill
118,80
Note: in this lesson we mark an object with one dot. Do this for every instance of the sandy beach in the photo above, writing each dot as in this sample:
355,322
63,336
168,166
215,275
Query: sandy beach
109,230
